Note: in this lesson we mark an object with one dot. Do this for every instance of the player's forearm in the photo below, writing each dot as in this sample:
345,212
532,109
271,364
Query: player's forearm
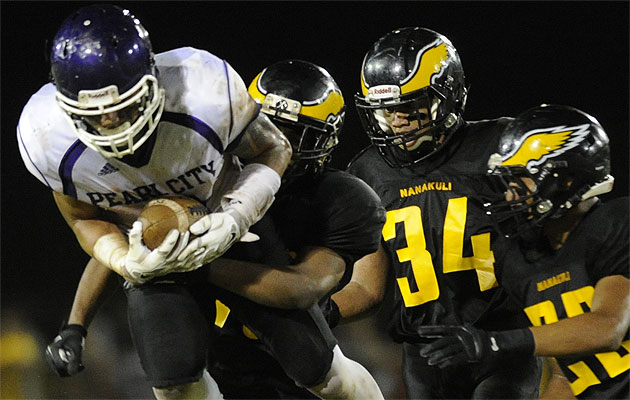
102,241
98,237
557,386
96,285
273,287
264,143
354,301
366,288
584,334
600,330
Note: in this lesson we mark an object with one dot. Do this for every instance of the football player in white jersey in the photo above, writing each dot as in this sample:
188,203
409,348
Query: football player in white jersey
119,126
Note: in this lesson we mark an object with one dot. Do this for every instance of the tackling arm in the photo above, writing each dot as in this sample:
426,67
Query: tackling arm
366,288
296,286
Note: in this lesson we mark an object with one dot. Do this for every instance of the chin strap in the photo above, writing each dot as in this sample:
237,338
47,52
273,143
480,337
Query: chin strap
601,187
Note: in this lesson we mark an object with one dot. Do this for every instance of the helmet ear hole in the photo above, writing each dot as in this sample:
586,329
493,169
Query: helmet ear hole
566,182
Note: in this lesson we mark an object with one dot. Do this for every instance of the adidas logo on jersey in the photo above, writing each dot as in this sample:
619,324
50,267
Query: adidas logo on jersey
107,169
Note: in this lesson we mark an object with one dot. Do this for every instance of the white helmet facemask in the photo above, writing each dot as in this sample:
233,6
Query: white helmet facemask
146,99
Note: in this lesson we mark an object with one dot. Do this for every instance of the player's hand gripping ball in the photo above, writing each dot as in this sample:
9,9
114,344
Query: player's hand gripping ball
162,215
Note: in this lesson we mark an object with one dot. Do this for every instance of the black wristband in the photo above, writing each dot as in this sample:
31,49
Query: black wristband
76,327
517,341
334,316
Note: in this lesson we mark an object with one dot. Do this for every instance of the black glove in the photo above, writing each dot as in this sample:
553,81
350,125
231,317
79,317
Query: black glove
459,345
64,353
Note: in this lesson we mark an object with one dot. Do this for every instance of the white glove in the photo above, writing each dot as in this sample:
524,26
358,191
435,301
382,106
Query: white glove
142,264
217,232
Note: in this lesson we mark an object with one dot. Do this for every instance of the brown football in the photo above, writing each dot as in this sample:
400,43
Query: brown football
161,215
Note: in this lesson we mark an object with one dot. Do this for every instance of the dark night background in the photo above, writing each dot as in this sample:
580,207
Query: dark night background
515,54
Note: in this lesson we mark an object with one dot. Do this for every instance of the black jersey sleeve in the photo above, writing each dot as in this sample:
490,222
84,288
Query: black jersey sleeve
607,228
353,216
365,166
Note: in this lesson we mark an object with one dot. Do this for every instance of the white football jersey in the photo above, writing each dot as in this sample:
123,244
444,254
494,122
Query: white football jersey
206,109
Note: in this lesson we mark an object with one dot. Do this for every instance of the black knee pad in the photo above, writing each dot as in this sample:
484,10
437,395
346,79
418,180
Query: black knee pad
169,332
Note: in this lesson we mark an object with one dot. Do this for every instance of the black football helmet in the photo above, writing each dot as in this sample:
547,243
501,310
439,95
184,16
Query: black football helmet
304,101
565,154
411,69
102,66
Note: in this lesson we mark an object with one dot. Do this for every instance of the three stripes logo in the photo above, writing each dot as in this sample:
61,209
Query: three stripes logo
107,169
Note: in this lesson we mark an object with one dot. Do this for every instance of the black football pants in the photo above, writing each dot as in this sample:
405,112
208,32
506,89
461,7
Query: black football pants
170,323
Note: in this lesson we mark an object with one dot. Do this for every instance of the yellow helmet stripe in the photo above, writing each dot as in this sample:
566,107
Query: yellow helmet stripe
364,88
431,62
253,90
332,105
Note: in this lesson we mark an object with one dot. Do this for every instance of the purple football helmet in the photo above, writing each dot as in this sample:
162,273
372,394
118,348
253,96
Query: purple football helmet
102,65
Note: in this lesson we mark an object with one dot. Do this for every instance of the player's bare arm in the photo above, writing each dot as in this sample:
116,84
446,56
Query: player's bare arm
288,287
267,153
600,330
103,240
366,288
557,386
86,221
64,354
96,285
263,143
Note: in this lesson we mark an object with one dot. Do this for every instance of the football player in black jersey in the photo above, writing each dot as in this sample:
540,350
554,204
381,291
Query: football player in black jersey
325,218
427,164
322,221
564,256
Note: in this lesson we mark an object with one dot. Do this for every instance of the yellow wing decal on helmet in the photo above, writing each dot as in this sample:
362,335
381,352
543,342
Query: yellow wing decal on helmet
431,61
541,144
332,105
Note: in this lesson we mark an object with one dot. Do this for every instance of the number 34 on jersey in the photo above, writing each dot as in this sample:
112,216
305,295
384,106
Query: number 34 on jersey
453,260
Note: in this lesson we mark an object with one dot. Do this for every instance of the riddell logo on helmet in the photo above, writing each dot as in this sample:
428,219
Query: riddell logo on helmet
383,91
98,97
